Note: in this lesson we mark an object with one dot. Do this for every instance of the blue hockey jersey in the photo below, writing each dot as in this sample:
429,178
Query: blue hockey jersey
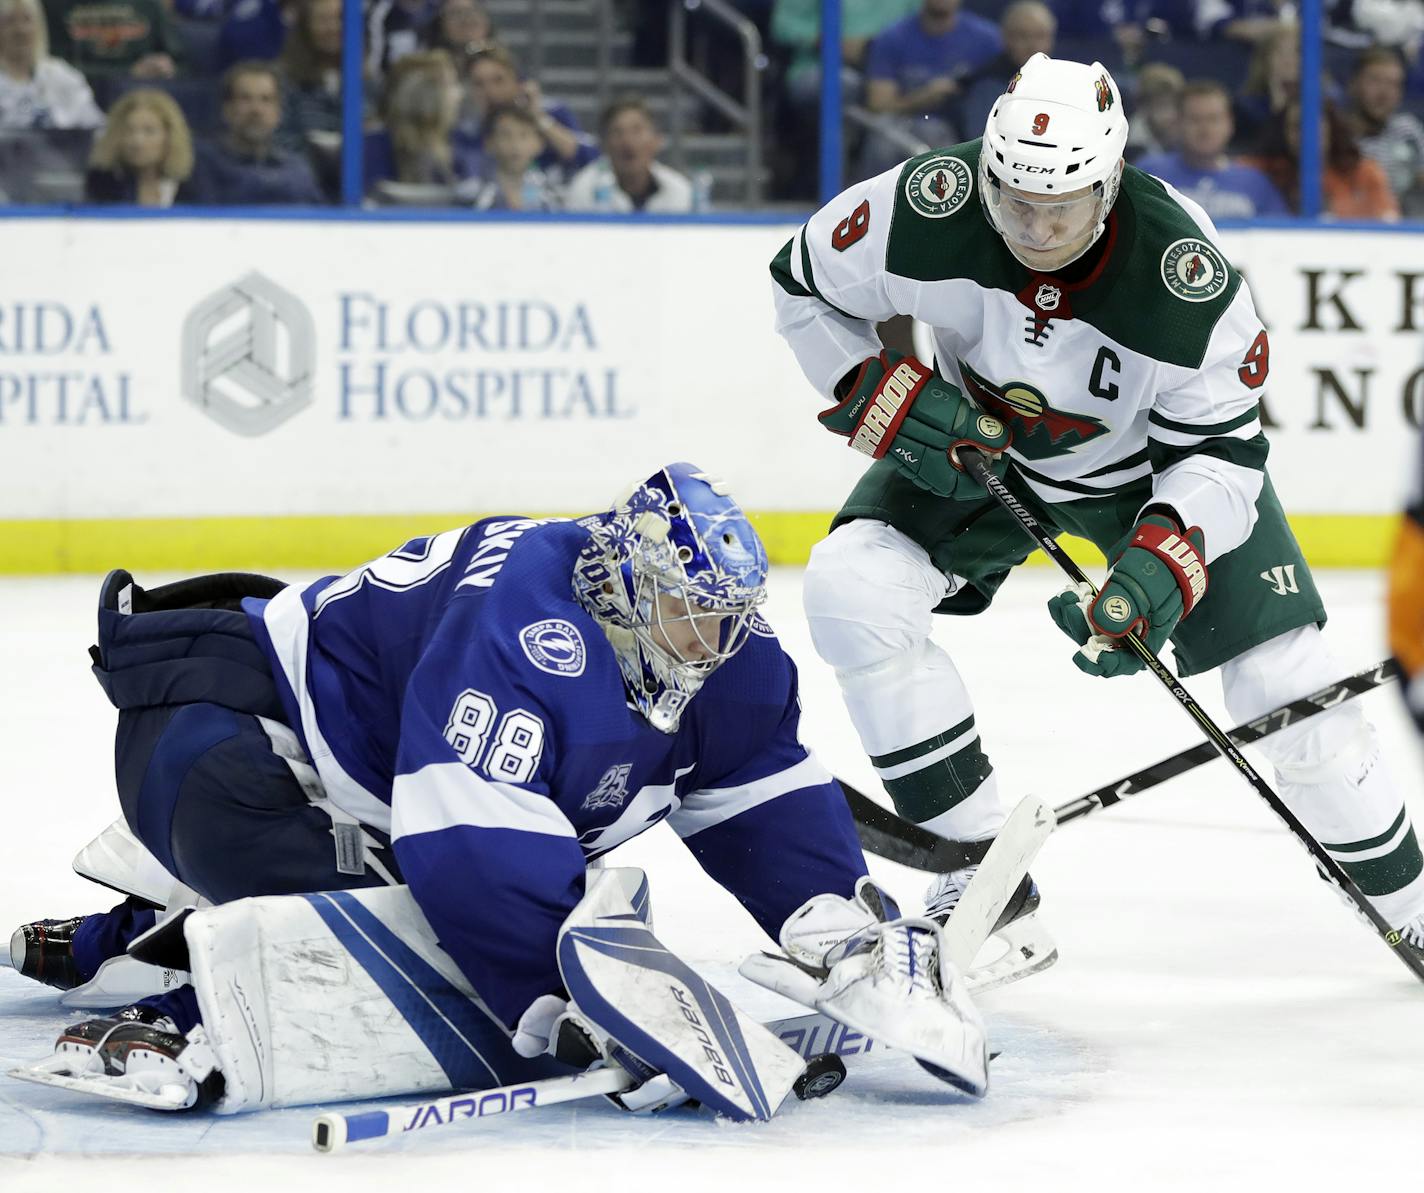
455,695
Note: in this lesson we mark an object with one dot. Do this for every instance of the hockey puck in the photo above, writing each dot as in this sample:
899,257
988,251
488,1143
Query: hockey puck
822,1075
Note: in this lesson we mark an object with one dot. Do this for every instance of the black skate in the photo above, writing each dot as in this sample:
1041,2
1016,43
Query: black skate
44,952
1025,947
136,1056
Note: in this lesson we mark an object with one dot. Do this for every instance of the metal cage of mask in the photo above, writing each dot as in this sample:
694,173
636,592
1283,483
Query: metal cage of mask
677,551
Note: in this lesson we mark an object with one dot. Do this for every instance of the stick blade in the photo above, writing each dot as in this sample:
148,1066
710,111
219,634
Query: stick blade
999,874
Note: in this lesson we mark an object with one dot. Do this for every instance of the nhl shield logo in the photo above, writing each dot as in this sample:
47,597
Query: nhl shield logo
1194,270
939,187
554,646
612,789
1048,297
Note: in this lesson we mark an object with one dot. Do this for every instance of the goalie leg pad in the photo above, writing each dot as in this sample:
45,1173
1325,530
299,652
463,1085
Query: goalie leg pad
338,996
629,986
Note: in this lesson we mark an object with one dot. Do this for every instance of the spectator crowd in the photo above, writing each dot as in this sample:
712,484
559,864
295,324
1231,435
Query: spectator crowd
164,103
240,102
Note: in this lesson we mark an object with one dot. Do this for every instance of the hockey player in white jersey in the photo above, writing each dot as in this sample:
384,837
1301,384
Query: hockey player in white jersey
1092,337
479,715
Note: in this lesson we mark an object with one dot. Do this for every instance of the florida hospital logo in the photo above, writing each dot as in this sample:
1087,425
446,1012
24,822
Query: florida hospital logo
554,646
612,789
939,187
248,356
1193,270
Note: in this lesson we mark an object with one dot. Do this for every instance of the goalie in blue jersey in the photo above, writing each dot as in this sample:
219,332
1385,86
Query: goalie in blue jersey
475,717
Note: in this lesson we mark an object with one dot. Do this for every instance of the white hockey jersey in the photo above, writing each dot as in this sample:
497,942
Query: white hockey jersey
1153,364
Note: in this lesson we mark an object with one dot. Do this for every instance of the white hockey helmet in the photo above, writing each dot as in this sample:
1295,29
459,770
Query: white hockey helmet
1058,129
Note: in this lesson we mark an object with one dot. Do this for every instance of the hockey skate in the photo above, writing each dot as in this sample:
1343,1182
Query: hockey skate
136,1056
44,952
1024,945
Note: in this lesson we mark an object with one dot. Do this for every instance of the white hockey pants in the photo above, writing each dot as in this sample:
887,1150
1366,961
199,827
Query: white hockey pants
869,596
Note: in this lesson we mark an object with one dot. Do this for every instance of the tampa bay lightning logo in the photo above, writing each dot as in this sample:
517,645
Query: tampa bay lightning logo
554,646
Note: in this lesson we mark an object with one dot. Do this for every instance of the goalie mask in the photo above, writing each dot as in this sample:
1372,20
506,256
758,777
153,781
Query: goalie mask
1051,160
673,574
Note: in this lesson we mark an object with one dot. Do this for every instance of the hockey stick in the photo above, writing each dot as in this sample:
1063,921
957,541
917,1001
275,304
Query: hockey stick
334,1130
887,835
978,466
1243,735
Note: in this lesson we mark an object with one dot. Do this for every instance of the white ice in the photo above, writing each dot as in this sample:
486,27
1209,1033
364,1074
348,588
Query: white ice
1218,1020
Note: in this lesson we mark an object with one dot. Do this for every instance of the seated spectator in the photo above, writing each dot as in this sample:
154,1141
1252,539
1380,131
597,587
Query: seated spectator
628,177
246,166
1353,186
461,28
494,82
144,155
418,108
37,90
1155,126
1390,136
1272,82
915,70
796,31
514,182
1201,169
311,69
395,28
1028,27
117,37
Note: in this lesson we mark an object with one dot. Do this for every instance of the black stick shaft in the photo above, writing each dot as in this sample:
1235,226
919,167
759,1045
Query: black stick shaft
1243,735
888,835
977,464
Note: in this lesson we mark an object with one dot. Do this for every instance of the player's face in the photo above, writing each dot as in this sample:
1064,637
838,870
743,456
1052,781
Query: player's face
688,632
1046,232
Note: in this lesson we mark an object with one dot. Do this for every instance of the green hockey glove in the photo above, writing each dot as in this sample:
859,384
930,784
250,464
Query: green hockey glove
1154,582
899,407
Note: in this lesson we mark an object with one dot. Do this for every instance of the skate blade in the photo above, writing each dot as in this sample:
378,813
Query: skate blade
59,1072
1027,949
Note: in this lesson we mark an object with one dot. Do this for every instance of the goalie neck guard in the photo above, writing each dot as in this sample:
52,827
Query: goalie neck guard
673,574
1051,160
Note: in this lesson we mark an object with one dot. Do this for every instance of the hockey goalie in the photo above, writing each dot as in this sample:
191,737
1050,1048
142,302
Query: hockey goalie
384,792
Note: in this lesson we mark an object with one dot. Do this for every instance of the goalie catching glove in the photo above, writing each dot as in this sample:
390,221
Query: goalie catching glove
896,406
1155,581
889,981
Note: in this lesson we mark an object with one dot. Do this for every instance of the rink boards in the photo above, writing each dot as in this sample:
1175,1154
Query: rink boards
209,393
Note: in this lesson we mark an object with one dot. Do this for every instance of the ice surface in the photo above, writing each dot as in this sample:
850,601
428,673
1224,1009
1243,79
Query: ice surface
1218,1019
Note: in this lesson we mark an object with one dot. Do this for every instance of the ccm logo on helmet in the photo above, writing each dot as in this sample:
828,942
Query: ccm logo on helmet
1026,168
880,416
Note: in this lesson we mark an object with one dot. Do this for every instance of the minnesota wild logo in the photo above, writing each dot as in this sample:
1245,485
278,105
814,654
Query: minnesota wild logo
939,187
1039,430
1103,93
